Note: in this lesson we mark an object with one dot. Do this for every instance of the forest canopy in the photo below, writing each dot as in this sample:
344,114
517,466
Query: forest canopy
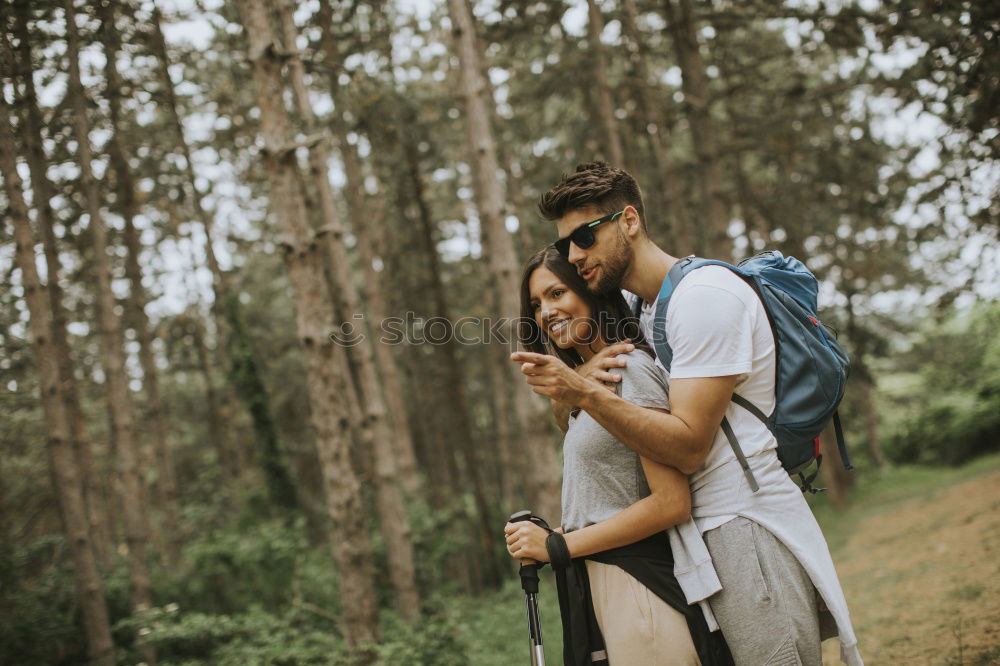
213,207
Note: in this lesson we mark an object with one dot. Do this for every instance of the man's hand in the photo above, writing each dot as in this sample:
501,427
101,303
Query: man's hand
552,378
597,368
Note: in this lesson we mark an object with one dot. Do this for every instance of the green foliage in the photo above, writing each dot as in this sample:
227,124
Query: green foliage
287,636
434,641
39,620
950,407
246,377
799,106
495,627
254,636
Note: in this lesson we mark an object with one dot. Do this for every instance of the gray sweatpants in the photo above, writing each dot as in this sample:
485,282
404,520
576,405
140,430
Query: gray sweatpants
767,608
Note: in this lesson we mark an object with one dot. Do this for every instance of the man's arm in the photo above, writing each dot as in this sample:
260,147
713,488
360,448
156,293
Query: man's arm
681,438
597,368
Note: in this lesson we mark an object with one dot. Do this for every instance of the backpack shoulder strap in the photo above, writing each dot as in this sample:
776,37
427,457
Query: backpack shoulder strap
679,271
637,306
665,354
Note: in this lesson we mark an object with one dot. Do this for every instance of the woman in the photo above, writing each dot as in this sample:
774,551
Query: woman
616,505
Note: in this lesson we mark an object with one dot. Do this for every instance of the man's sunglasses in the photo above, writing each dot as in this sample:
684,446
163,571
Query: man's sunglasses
583,236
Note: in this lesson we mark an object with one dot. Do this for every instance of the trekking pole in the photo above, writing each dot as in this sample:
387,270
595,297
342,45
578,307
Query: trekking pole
529,583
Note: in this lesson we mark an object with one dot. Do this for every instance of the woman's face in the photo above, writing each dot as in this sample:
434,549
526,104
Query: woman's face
561,314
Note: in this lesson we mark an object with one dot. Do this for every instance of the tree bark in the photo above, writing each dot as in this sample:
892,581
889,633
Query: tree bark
244,366
658,135
867,398
73,510
715,218
112,352
128,207
437,378
371,292
865,381
314,324
228,463
536,450
94,499
456,403
834,476
388,489
372,295
612,143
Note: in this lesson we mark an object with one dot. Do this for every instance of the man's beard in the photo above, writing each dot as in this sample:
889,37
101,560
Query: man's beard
613,268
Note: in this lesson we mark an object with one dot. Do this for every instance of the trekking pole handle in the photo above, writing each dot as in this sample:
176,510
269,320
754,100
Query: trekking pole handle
519,517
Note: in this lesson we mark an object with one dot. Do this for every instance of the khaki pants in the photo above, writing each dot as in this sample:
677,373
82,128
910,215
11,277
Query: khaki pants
639,628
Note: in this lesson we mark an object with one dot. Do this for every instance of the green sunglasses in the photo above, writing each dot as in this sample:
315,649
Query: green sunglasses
583,236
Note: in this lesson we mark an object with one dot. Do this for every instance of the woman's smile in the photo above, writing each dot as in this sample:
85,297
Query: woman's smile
559,325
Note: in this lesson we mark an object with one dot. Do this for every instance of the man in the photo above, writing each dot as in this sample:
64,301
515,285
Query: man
780,593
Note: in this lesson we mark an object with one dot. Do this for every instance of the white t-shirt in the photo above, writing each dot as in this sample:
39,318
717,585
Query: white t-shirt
716,326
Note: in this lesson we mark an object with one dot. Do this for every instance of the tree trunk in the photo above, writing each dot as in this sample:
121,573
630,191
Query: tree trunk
832,472
658,135
611,144
314,323
862,376
388,490
503,456
228,464
244,366
536,452
456,403
372,294
112,352
867,398
756,224
445,419
715,218
42,195
526,245
72,508
128,207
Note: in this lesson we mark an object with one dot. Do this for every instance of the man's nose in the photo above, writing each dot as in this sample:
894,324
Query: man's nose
576,255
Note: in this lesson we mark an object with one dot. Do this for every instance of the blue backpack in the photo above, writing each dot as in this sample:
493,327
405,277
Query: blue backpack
811,368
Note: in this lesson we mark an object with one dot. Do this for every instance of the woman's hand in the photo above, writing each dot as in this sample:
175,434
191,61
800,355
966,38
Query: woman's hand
526,541
552,378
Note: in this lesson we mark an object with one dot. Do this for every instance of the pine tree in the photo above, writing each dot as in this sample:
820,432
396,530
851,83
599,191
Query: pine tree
90,588
112,353
351,546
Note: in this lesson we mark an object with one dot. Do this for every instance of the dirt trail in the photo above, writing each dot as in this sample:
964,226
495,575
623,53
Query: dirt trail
923,580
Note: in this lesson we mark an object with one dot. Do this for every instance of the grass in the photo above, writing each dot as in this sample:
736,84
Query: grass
494,628
876,492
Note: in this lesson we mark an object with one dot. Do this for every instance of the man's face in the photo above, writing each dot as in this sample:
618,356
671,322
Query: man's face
603,265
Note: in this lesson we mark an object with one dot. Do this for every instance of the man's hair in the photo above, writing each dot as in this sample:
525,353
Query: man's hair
596,184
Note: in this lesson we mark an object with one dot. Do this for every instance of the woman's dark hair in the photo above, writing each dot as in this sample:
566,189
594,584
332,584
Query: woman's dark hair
610,313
